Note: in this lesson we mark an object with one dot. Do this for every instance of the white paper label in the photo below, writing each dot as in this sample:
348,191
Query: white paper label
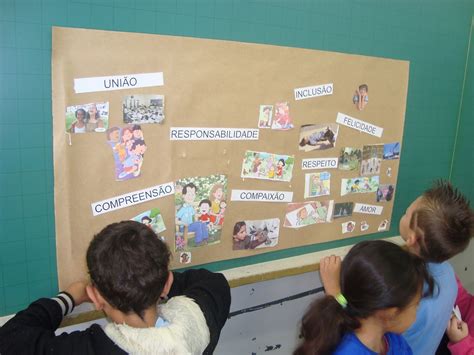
359,125
367,209
261,196
313,91
212,134
319,163
117,82
132,198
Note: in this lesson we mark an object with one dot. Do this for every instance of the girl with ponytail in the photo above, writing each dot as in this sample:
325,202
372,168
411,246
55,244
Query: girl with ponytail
381,286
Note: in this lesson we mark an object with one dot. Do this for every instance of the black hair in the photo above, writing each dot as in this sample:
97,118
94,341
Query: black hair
146,218
189,186
136,127
205,201
375,275
237,227
81,110
282,160
444,224
128,264
137,142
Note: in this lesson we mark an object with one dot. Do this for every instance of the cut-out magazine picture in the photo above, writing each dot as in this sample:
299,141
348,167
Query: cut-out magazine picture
343,209
141,109
318,136
255,234
265,116
302,214
385,193
391,151
200,204
267,166
359,185
91,117
153,219
128,147
317,184
350,158
371,159
282,119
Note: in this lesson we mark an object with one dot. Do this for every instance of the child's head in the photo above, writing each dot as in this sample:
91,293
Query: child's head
138,147
438,224
364,88
240,230
113,134
204,206
281,162
137,132
378,279
128,266
146,220
80,114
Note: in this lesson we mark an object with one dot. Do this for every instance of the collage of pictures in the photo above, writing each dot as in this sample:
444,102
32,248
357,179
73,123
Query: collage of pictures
201,201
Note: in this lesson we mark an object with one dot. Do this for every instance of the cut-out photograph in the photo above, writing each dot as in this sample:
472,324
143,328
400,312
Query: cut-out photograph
140,109
318,136
361,97
86,118
385,193
391,151
348,227
371,159
255,234
350,158
343,209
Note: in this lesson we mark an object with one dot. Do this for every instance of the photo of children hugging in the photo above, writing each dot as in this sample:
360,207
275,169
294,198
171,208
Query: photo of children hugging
92,117
200,207
256,234
128,147
302,214
318,136
267,166
361,97
371,159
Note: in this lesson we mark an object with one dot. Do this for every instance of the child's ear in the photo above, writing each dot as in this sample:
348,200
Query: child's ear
95,297
168,284
412,238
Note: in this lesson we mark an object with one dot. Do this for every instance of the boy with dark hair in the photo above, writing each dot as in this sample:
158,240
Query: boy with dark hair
128,267
436,226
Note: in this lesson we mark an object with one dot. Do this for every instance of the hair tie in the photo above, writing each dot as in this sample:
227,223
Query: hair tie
341,300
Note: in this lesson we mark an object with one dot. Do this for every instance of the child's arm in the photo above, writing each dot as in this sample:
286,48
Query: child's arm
460,342
32,331
330,271
464,300
211,292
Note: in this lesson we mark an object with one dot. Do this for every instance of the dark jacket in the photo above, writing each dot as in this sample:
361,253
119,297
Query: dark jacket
198,307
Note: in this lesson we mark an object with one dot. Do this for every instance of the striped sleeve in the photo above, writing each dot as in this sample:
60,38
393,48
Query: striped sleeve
65,301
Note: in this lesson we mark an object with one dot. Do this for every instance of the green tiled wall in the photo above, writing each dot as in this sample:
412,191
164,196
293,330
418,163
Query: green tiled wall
432,34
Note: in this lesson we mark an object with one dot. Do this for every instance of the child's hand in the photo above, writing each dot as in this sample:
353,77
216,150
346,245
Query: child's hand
78,291
330,271
457,330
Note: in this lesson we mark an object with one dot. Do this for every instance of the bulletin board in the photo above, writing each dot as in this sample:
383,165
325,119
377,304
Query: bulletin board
220,86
